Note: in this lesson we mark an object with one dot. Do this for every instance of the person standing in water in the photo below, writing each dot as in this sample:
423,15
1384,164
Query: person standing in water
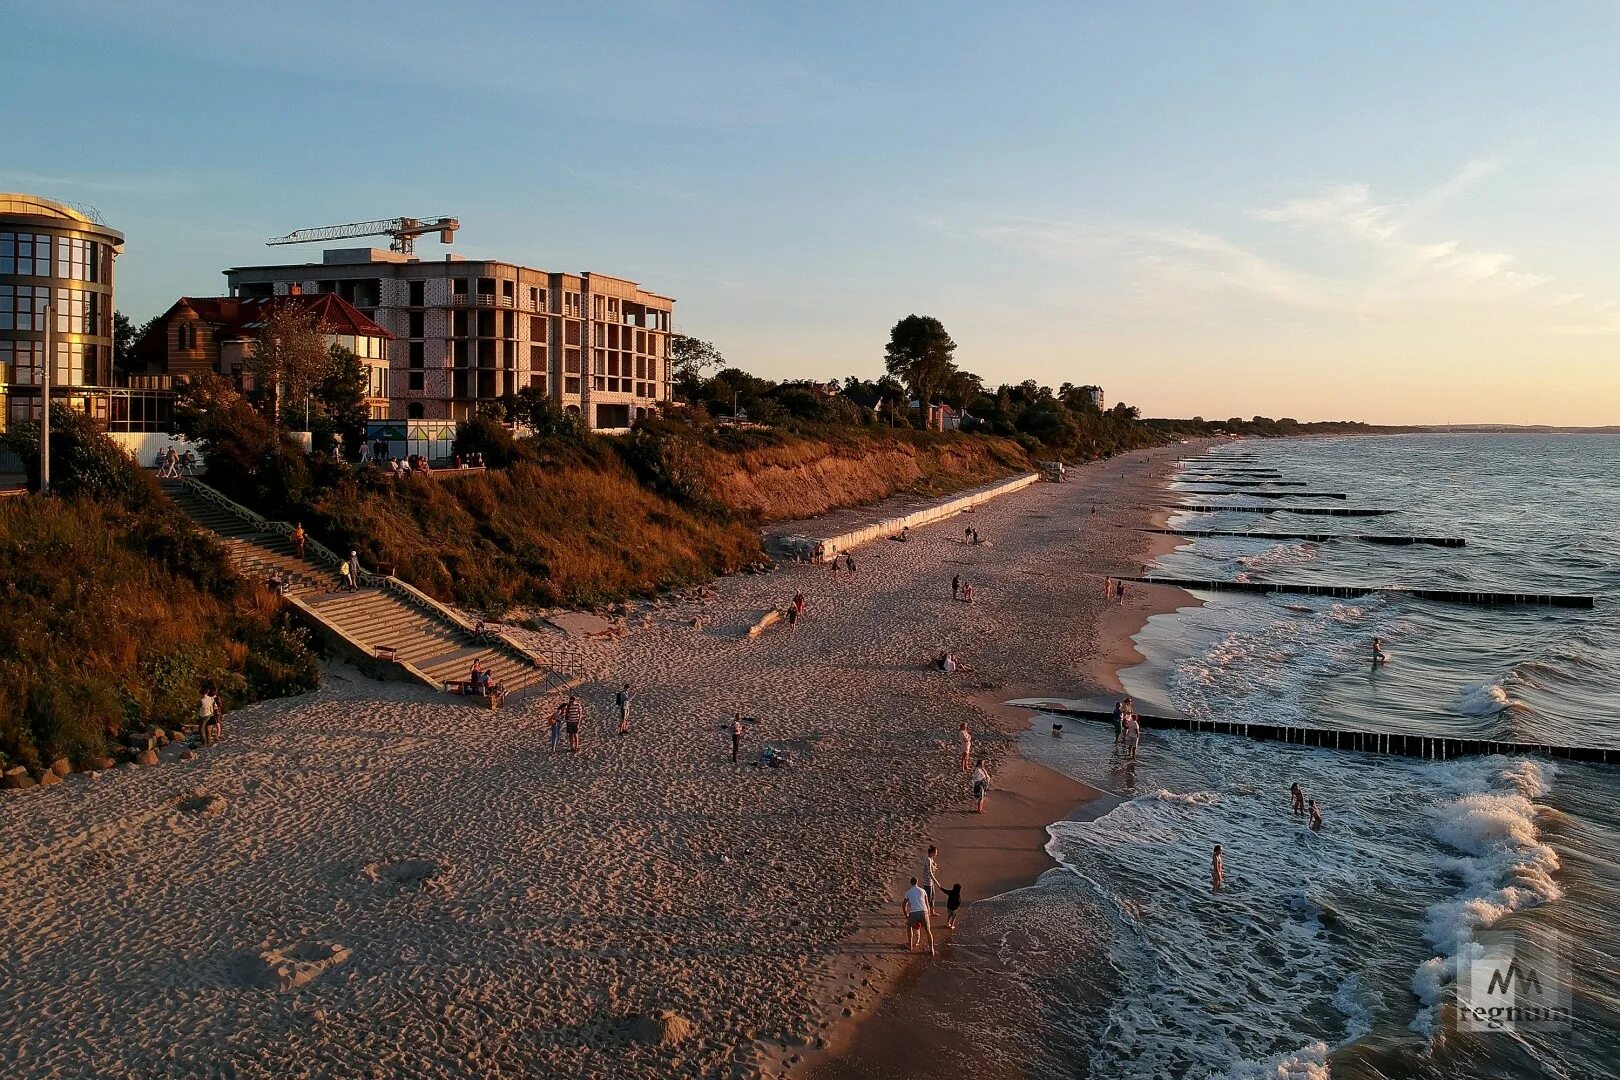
1296,799
1133,732
915,906
1217,870
1316,817
1379,656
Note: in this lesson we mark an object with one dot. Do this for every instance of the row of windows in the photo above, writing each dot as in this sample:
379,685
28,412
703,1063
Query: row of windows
78,311
29,254
25,361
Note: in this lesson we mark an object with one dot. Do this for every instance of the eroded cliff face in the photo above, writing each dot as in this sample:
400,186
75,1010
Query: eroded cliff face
811,477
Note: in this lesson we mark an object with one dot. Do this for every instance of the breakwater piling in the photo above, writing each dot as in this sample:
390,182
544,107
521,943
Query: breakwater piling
1278,494
1335,511
1449,596
1320,538
1431,747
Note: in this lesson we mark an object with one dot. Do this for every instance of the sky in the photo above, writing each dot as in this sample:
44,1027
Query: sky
1395,212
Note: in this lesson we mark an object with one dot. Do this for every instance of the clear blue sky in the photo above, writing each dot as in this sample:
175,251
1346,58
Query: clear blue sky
1399,212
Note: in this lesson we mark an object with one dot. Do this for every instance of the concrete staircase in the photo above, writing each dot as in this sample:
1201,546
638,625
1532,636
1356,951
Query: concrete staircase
384,620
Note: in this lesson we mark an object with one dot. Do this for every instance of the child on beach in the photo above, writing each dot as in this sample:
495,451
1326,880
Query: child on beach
953,900
736,737
557,719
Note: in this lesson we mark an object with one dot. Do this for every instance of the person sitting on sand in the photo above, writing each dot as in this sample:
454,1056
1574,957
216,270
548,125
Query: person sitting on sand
947,663
953,901
1296,799
1217,870
1316,817
915,907
981,784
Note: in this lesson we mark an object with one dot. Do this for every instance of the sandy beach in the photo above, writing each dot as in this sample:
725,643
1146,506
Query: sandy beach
377,881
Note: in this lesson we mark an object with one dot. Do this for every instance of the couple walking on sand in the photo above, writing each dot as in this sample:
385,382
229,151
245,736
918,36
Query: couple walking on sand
920,904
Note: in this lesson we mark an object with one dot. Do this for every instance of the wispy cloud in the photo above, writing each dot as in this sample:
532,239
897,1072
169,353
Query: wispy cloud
1340,250
111,184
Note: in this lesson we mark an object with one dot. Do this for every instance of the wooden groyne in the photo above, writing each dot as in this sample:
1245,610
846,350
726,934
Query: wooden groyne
1449,596
1335,511
1243,483
1320,538
1431,747
1277,494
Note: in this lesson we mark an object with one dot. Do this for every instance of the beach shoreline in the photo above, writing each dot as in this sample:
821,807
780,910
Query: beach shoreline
905,992
448,896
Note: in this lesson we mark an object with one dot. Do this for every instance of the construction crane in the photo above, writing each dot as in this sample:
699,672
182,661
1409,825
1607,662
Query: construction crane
403,230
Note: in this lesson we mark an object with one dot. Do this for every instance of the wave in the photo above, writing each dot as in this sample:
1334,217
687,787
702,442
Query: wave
1503,867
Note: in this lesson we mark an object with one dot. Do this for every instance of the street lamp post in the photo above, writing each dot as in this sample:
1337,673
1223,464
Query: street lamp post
45,411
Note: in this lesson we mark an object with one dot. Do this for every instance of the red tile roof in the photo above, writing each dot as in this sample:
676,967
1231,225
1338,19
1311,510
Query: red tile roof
233,317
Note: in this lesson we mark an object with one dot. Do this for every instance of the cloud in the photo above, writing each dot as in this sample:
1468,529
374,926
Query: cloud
1341,250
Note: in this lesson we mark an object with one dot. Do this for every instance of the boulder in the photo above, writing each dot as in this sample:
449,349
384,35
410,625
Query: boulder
16,780
48,779
176,735
140,740
188,755
14,770
146,757
103,763
61,766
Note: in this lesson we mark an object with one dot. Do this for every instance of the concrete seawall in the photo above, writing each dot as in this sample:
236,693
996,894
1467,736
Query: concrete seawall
850,529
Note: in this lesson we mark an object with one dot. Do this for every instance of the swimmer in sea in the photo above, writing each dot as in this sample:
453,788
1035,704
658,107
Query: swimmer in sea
1379,657
1316,817
1296,799
1217,870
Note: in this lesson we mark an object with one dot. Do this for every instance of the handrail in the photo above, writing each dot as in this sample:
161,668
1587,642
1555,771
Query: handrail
407,591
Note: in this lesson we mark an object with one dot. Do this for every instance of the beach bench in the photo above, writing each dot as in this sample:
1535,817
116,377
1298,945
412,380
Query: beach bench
390,653
463,688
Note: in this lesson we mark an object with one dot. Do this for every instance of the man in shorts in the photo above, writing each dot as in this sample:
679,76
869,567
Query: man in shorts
574,717
915,906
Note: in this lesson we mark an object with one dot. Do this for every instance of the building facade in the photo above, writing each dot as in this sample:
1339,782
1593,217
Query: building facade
217,334
57,258
470,332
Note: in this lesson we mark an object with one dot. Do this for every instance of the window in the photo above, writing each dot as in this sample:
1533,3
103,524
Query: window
418,323
24,359
28,254
418,354
22,307
78,259
414,410
537,358
417,296
537,299
416,380
571,333
537,328
77,311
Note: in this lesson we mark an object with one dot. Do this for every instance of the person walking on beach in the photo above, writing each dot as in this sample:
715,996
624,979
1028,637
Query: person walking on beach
557,719
1296,799
1316,817
343,575
967,592
1119,592
981,784
967,746
930,877
796,612
1108,588
354,569
575,716
915,906
956,585
849,563
208,717
736,736
622,700
1217,870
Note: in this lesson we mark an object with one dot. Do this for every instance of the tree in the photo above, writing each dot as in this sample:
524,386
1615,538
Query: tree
290,359
125,335
689,358
342,395
920,354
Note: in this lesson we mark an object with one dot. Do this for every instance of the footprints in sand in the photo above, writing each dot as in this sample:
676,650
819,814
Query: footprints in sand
404,872
290,968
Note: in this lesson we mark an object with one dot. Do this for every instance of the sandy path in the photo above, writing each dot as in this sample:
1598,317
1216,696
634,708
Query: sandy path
501,911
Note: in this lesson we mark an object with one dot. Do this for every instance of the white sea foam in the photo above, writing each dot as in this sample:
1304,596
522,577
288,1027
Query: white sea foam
1503,866
1306,1063
1484,699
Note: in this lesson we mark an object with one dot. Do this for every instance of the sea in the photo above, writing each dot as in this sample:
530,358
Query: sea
1353,951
